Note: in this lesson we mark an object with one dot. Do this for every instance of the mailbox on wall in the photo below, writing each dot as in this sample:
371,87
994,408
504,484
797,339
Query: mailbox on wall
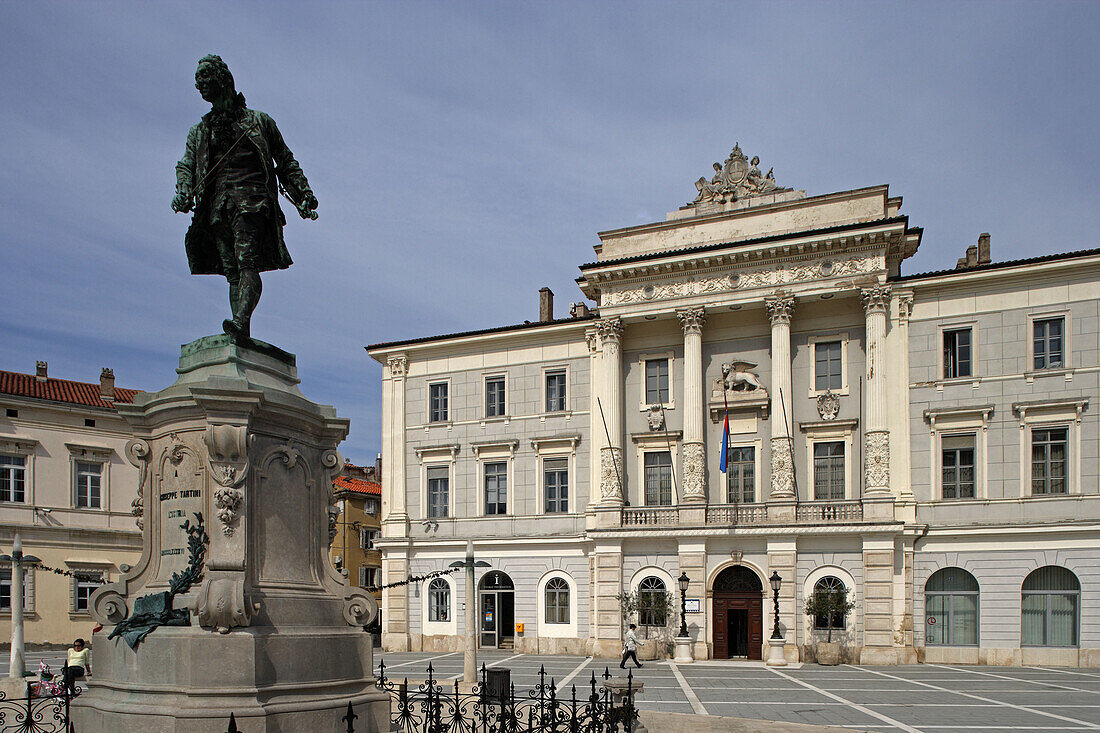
519,628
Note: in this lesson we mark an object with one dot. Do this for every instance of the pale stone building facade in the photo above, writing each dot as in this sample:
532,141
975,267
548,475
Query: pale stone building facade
67,486
929,442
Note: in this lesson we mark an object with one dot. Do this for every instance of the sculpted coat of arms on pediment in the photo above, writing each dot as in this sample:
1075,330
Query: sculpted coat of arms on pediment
738,178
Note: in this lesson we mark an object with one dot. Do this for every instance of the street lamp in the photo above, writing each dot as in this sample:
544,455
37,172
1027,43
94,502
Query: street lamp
469,657
17,667
776,582
683,582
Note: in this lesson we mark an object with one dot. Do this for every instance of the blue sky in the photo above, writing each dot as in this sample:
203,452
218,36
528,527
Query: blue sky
466,153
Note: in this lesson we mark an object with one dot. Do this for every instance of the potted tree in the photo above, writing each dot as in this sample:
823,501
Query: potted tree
830,604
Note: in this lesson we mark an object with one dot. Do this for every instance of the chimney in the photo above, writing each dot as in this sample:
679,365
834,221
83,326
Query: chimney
40,371
378,468
983,249
579,310
107,384
546,305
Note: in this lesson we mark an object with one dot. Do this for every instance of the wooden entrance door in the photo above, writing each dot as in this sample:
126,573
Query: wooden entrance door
737,611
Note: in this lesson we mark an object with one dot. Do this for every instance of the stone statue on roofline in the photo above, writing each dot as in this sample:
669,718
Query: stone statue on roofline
735,180
231,173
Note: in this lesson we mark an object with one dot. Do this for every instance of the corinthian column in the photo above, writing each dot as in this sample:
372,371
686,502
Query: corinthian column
780,309
610,331
694,456
876,449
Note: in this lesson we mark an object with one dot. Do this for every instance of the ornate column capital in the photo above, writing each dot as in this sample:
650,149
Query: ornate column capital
780,308
398,364
610,329
876,299
905,306
692,320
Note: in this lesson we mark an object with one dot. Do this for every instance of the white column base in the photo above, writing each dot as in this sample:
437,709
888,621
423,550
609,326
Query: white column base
683,650
775,653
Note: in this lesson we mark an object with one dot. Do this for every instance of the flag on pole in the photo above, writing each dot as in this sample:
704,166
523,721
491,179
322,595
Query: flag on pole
725,443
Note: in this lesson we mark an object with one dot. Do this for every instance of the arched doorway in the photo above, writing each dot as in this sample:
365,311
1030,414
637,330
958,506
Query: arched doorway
737,610
497,603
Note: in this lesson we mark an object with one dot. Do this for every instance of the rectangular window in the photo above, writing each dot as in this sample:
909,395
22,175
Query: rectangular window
829,470
956,353
5,590
370,506
367,538
555,391
13,473
958,466
741,475
89,477
437,402
84,583
656,381
658,478
555,473
438,492
827,366
1049,343
1048,460
496,488
494,397
368,577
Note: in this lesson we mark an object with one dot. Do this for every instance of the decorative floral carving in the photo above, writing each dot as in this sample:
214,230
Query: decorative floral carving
656,416
398,364
782,468
875,298
877,460
694,472
227,500
611,470
780,308
828,405
610,330
692,320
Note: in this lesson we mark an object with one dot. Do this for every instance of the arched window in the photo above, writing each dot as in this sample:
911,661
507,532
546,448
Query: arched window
652,602
830,584
951,608
1051,607
557,601
439,600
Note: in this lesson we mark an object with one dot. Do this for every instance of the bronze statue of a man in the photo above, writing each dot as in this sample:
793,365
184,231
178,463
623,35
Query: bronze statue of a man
231,173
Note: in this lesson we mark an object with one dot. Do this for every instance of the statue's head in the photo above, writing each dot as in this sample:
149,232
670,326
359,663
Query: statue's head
212,78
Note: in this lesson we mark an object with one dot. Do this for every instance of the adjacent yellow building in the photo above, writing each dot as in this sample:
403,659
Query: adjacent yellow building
358,496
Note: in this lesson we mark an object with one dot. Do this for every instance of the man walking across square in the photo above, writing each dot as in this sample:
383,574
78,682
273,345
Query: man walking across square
630,648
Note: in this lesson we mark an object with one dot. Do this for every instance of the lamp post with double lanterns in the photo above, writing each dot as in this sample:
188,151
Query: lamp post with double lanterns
776,643
683,639
18,665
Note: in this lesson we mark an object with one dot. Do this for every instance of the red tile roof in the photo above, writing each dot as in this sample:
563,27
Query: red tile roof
61,390
357,486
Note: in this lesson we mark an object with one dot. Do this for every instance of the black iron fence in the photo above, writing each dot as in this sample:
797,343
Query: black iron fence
37,714
493,706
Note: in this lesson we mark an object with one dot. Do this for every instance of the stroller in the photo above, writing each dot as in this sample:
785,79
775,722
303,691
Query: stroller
49,684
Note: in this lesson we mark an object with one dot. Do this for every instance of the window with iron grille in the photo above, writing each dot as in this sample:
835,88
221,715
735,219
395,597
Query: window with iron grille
88,478
741,474
13,473
957,466
494,397
437,402
496,488
1048,343
555,391
829,470
438,492
658,478
830,584
827,366
1048,460
656,381
439,601
957,353
557,601
555,473
650,590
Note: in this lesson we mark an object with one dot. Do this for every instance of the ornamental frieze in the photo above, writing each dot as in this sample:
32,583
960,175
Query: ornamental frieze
762,278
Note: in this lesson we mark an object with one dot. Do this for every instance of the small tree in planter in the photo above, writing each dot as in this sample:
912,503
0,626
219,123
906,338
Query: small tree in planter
830,604
654,611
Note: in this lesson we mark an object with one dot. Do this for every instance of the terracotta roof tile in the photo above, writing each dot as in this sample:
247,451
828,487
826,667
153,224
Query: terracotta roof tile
61,390
357,485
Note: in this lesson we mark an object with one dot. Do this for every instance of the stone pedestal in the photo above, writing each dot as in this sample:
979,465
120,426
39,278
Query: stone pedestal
272,631
683,650
776,655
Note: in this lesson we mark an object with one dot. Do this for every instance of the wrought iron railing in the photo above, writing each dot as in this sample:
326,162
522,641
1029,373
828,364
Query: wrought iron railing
829,511
37,714
430,707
